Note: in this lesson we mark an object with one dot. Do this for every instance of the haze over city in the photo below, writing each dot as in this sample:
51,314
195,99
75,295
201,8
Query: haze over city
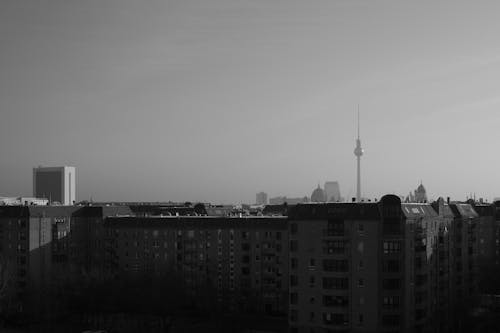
217,100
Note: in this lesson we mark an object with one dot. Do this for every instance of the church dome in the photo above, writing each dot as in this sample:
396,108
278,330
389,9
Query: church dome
318,195
421,188
420,194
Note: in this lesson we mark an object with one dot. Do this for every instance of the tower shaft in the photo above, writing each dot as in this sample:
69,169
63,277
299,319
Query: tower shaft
358,187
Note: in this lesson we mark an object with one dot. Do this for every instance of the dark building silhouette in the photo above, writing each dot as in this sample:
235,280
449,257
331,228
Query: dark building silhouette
241,261
382,266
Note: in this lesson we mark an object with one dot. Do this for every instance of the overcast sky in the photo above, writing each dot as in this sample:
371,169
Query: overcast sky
217,100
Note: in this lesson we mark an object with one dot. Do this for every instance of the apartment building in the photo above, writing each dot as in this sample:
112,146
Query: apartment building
380,266
488,242
45,249
238,263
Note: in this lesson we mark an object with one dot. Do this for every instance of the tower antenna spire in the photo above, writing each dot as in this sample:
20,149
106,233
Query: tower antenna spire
358,121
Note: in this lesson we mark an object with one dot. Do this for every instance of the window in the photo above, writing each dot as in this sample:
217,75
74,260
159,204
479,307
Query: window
361,283
294,246
392,247
336,318
391,320
361,227
293,315
312,281
333,265
391,284
293,228
335,301
421,279
360,265
294,280
335,247
312,262
391,266
335,228
294,263
294,297
391,302
335,283
360,318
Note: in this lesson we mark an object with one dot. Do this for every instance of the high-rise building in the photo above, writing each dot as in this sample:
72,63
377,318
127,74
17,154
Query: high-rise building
57,184
261,198
332,192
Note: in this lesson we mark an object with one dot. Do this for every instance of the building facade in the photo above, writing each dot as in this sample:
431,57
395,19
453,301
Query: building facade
380,267
47,250
239,264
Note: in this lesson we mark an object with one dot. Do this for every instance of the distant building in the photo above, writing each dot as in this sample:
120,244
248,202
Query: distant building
57,184
261,198
290,201
419,195
318,195
16,201
220,210
332,192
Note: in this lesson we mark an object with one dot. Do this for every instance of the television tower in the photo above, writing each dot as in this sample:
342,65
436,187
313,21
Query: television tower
358,151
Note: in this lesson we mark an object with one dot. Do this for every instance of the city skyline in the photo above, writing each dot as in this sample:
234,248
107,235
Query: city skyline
215,102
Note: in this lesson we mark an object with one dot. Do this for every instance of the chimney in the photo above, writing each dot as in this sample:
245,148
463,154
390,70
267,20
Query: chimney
353,199
448,200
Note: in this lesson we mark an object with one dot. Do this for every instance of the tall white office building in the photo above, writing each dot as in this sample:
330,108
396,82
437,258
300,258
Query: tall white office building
57,184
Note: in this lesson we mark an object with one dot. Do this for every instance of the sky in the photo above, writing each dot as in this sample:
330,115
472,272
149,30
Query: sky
212,100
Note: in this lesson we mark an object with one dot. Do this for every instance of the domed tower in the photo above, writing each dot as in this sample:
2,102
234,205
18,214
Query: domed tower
358,152
420,193
318,195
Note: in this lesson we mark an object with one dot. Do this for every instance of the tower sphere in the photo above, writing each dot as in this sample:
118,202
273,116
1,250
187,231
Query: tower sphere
358,151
